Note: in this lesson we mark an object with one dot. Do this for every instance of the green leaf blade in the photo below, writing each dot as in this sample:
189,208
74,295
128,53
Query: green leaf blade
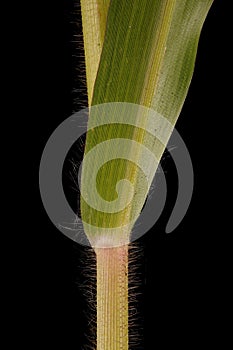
147,59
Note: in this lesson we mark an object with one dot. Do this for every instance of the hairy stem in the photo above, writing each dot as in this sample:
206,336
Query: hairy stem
112,298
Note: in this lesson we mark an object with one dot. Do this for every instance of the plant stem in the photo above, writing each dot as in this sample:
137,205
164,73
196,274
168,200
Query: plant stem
112,298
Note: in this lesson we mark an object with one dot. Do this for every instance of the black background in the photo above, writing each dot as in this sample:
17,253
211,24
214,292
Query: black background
177,271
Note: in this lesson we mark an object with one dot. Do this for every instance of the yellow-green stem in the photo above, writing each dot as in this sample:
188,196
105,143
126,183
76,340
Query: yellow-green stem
112,298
